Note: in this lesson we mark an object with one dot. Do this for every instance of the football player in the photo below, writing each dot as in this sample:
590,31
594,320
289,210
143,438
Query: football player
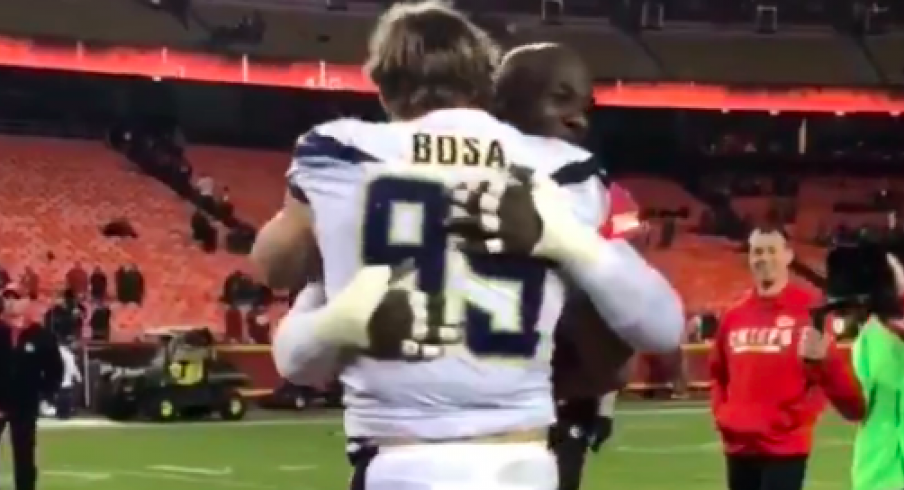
546,89
377,196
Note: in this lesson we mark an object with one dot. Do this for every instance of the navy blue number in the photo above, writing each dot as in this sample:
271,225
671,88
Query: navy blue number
429,255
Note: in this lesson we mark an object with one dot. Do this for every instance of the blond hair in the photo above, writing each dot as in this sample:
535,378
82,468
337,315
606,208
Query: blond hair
426,56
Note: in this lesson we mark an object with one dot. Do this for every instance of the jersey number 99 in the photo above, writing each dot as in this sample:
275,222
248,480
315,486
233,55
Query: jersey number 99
404,219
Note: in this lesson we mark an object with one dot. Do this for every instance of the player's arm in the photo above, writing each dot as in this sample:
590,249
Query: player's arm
309,341
282,247
294,362
540,217
637,302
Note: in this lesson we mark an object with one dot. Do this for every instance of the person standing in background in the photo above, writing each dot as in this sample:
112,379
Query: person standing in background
31,369
31,283
97,285
771,373
65,399
77,280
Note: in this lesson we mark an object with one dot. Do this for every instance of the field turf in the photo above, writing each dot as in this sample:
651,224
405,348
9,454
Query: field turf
656,447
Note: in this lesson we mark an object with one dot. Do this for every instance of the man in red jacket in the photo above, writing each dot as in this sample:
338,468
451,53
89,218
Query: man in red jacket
771,373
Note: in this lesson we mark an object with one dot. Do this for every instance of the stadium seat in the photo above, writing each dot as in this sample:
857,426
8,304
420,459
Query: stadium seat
710,273
58,193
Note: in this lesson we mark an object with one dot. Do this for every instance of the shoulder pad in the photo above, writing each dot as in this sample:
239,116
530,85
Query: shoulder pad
330,144
577,164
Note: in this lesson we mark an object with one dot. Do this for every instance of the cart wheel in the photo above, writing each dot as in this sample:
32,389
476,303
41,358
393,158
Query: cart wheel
165,410
234,406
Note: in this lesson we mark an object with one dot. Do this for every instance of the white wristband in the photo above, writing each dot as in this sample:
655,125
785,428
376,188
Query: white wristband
607,404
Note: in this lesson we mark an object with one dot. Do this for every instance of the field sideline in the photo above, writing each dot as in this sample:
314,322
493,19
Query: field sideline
656,446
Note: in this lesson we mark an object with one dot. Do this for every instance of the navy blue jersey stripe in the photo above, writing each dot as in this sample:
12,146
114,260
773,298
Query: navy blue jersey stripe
577,172
297,193
316,149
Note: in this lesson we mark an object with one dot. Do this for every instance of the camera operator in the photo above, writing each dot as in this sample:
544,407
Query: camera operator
771,372
31,369
866,284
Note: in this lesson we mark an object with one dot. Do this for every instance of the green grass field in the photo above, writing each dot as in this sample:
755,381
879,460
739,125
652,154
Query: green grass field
655,448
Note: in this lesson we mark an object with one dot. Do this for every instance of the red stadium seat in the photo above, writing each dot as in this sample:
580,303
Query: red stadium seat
56,196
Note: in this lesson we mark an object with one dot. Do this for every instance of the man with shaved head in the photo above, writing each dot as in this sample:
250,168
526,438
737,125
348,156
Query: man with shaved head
546,89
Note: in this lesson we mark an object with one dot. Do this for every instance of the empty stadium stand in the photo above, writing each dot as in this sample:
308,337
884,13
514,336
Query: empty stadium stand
710,273
56,196
663,194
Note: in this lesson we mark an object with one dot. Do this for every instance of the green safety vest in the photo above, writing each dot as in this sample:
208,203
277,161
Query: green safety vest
878,358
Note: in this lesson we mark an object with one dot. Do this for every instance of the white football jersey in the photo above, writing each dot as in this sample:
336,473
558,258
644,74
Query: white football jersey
379,195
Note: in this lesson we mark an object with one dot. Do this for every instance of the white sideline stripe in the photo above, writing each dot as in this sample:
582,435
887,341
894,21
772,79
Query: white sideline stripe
302,467
206,480
190,470
79,475
77,424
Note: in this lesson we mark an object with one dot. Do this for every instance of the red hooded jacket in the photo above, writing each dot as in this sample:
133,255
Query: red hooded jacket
765,399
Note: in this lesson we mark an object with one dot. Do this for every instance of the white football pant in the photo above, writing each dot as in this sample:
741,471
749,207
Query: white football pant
463,466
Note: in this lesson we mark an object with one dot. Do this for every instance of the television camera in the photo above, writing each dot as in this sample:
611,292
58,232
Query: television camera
861,282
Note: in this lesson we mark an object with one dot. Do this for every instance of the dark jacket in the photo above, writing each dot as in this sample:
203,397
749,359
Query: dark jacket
31,367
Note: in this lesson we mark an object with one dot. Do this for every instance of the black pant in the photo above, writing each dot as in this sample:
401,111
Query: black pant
22,429
360,454
746,472
569,439
569,444
65,403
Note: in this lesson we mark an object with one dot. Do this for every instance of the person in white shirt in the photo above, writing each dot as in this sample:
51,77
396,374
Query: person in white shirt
72,376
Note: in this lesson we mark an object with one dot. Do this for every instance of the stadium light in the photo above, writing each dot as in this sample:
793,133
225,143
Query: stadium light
551,11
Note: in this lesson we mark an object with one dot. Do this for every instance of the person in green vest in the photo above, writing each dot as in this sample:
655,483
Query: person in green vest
878,361
878,364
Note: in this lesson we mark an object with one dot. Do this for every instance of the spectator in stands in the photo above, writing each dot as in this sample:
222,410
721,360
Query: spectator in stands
120,283
59,319
239,290
100,322
240,238
203,231
129,284
225,210
205,187
30,283
258,324
235,328
134,284
77,280
98,284
183,177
